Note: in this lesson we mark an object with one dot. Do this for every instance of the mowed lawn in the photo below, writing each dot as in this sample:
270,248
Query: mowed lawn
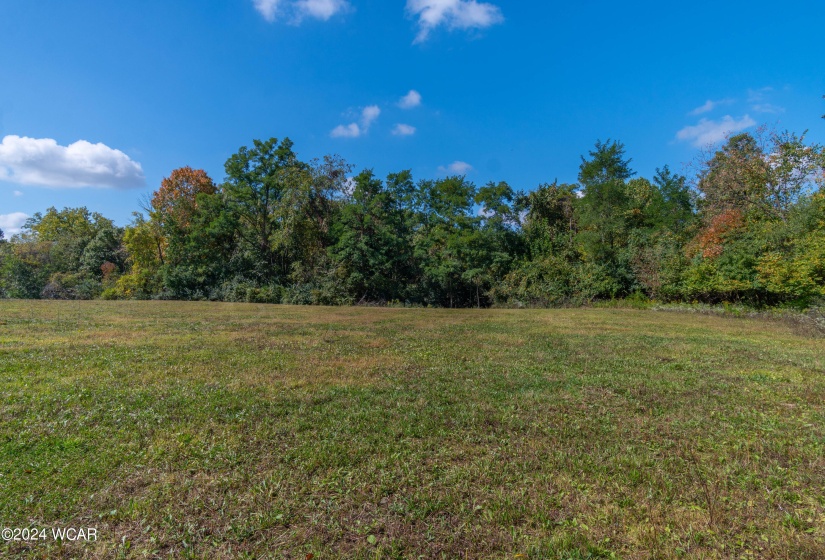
209,430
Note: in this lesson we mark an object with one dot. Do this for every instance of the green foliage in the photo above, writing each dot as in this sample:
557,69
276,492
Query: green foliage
547,271
442,240
760,216
659,263
672,204
256,183
372,245
546,281
104,247
60,255
284,208
238,290
792,268
748,228
144,245
606,214
80,285
199,256
25,269
761,176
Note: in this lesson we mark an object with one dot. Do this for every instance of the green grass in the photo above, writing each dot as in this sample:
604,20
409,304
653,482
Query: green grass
202,430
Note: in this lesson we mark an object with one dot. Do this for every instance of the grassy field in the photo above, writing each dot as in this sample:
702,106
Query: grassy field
205,430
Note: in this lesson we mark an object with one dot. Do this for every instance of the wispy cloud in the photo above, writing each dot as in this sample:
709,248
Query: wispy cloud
17,193
354,130
43,162
453,14
707,131
12,224
411,100
709,106
456,168
403,130
321,9
759,100
296,11
758,95
706,108
767,108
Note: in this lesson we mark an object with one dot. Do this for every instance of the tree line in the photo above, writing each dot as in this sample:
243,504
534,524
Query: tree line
749,227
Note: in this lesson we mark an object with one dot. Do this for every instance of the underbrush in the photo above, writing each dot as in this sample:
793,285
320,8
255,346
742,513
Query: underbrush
808,322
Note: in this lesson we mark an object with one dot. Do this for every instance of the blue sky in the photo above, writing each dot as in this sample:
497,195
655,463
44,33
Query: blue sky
100,100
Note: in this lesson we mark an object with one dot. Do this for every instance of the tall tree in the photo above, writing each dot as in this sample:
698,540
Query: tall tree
760,176
201,256
795,168
176,199
603,215
77,239
143,244
373,242
604,204
441,240
496,244
256,180
735,178
674,207
545,272
309,204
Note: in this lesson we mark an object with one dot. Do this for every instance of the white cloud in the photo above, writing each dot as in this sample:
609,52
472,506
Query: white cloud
267,8
403,130
368,116
297,10
351,130
320,9
454,14
11,224
457,168
354,130
17,193
707,132
411,100
42,161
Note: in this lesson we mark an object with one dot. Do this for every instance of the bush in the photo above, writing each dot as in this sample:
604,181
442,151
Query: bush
545,282
111,294
71,286
128,286
243,291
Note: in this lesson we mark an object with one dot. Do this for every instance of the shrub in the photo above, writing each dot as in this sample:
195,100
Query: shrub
71,286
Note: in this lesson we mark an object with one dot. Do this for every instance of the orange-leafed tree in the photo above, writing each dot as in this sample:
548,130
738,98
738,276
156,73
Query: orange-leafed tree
711,240
176,199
